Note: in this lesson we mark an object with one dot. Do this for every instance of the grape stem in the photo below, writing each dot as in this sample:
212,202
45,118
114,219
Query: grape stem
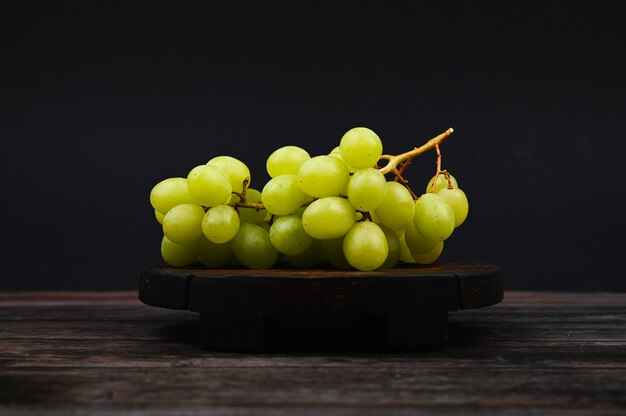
394,161
439,171
366,215
405,183
242,203
244,187
255,205
443,172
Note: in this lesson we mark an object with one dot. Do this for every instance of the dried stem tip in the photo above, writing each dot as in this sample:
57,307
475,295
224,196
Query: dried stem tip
394,161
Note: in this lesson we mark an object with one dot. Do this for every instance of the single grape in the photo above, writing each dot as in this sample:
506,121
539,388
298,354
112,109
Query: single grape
397,208
282,195
434,217
213,255
250,214
431,256
323,176
405,253
441,183
458,201
393,243
365,246
159,216
288,235
170,192
177,254
253,248
367,189
415,242
236,171
333,253
286,161
329,217
183,223
220,224
209,185
361,148
337,153
310,257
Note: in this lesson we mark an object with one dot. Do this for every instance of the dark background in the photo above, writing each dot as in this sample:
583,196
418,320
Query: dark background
100,102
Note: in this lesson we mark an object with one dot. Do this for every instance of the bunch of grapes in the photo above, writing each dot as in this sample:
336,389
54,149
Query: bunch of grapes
337,209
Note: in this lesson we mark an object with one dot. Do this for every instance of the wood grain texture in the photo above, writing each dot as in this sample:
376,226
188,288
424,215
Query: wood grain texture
535,353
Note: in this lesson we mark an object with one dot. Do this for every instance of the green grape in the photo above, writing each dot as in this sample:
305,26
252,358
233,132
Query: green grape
250,214
329,217
367,189
323,176
213,255
236,171
441,183
397,209
365,246
159,216
170,192
458,201
310,257
209,185
333,253
393,243
253,248
405,253
361,148
177,254
434,217
415,242
286,161
288,235
337,153
183,223
220,224
282,195
431,256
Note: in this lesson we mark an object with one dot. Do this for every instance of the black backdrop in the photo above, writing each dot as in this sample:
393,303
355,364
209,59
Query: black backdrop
100,101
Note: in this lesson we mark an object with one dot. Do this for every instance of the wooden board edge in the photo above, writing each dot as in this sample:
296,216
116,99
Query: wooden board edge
164,290
480,289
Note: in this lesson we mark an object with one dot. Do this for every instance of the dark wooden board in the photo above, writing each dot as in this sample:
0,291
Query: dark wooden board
404,308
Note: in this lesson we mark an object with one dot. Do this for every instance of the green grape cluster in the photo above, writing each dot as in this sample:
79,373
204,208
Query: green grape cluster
337,209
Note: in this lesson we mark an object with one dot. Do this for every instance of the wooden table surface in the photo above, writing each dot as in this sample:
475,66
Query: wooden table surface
68,353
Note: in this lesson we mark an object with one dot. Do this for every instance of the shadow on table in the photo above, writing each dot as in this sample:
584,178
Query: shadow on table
336,333
185,332
319,333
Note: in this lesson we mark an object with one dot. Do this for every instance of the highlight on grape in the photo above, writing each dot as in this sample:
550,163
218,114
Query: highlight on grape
340,210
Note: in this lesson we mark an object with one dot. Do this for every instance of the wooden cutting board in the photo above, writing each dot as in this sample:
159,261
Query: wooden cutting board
284,309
